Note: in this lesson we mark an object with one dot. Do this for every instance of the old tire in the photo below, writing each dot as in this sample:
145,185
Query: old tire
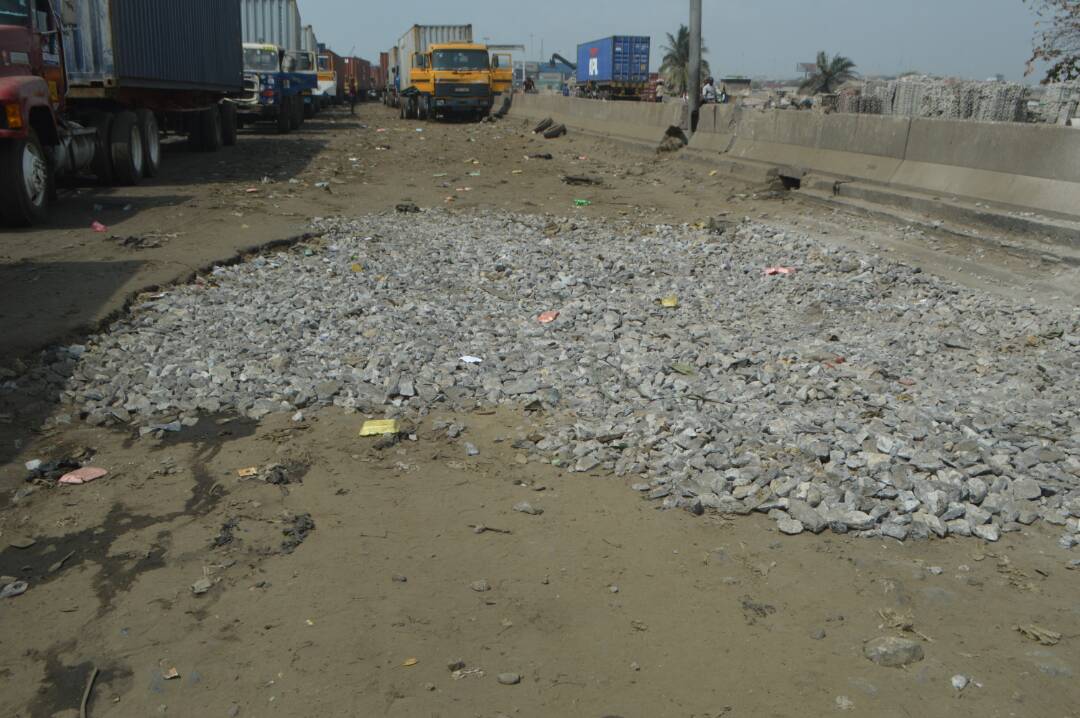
309,110
151,140
229,124
544,124
555,131
210,130
26,181
284,121
101,166
126,149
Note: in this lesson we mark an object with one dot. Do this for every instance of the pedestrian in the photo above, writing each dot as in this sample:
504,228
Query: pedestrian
708,93
352,97
659,90
723,95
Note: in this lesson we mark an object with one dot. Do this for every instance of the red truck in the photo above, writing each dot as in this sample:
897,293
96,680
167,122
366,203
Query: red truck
88,86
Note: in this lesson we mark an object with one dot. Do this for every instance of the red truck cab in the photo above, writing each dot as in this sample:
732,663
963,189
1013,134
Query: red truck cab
31,95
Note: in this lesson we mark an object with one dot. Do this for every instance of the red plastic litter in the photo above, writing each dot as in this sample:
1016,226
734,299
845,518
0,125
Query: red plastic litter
548,317
98,227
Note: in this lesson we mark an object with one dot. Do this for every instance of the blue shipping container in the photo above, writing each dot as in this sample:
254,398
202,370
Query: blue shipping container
618,59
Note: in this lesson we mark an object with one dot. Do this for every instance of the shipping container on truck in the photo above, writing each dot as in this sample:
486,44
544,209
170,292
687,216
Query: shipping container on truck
614,68
393,77
417,39
277,78
90,85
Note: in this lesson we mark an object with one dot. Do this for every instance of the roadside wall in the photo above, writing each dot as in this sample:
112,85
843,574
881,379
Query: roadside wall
1034,167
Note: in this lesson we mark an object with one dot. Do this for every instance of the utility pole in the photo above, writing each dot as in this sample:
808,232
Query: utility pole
693,92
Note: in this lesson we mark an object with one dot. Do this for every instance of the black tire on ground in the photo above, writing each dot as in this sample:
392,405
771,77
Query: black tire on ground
555,131
101,165
26,181
210,132
296,112
151,139
544,124
284,116
126,149
309,110
401,109
229,123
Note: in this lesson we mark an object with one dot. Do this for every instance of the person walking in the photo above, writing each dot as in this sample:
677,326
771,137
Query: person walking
708,93
659,90
352,97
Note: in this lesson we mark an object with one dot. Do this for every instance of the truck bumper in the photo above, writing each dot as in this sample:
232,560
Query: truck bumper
462,104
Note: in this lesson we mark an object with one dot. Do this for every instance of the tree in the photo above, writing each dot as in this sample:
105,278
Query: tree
675,67
829,75
1057,39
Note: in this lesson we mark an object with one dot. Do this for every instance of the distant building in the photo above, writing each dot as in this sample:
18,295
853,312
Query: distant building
735,86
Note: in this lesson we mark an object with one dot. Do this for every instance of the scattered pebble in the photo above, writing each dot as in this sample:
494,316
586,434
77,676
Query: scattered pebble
509,679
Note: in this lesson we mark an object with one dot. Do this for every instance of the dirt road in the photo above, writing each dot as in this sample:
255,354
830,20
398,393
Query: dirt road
358,582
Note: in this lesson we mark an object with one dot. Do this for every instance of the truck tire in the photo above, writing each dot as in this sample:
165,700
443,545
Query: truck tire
151,139
309,110
284,116
210,130
296,112
101,166
26,181
229,124
544,124
555,131
126,149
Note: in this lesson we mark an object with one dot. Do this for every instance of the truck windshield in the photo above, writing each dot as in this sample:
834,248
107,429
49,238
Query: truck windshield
14,12
260,60
460,59
303,62
324,63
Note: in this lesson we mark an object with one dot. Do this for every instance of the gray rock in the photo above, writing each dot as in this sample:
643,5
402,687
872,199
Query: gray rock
524,507
893,652
810,519
509,679
789,526
1026,489
480,586
987,532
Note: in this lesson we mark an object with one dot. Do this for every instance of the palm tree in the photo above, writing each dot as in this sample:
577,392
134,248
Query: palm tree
830,74
675,68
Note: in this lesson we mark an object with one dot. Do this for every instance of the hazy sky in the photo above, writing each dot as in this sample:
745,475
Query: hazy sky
967,38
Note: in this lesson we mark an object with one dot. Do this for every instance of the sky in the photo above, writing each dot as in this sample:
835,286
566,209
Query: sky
965,38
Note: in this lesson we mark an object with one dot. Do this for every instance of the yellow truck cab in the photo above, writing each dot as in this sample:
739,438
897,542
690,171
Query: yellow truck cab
455,78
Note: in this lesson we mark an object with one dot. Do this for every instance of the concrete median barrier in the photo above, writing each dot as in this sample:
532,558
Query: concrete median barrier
1011,165
637,122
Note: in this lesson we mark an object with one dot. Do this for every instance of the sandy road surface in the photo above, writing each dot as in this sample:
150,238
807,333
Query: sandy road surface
601,605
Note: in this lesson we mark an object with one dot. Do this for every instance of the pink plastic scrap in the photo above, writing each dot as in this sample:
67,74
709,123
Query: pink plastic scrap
82,476
98,227
773,271
548,317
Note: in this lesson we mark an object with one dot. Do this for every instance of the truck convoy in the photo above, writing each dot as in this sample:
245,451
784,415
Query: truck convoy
279,77
331,76
614,68
441,71
89,85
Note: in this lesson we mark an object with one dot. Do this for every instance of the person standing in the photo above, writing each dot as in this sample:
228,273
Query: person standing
708,93
352,96
659,90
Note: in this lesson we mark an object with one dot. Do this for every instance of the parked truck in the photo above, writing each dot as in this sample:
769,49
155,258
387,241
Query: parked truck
307,63
90,85
614,68
274,88
442,72
331,76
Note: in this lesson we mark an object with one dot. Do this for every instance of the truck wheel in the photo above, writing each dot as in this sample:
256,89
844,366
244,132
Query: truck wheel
401,111
284,116
26,181
126,149
210,131
102,163
229,124
151,140
296,114
309,110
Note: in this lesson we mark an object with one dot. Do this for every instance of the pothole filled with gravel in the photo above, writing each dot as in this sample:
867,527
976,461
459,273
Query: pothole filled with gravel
736,368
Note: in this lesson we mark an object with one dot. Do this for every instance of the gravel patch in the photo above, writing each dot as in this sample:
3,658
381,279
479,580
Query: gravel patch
856,394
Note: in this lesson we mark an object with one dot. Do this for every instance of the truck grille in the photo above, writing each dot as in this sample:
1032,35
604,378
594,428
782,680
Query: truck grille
453,89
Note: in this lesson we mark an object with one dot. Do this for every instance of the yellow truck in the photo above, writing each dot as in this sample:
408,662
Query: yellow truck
453,78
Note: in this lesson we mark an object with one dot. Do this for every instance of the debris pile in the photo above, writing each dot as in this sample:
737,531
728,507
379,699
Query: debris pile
847,393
